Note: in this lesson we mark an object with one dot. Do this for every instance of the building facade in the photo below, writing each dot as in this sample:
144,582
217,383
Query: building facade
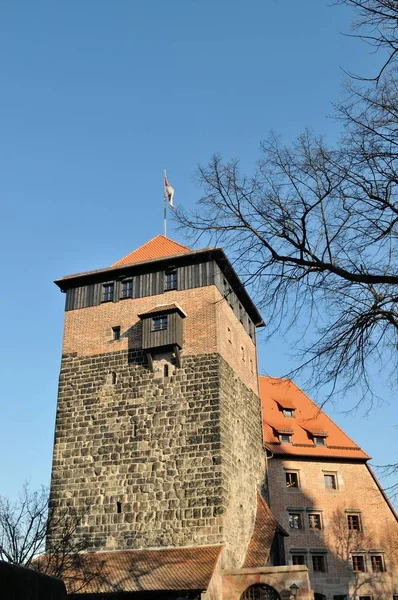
321,489
159,445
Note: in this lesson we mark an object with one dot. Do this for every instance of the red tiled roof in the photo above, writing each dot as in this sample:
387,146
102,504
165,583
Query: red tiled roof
259,547
146,570
158,247
308,420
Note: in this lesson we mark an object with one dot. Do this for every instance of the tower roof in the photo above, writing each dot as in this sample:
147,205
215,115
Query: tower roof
158,247
308,421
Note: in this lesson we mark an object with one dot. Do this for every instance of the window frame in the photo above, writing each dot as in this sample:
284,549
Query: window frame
317,556
314,516
334,487
116,333
108,296
358,558
351,516
301,556
377,556
299,517
319,440
171,280
126,289
286,435
163,323
296,475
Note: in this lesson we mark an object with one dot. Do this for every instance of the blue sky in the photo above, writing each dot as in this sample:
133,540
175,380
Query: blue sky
97,98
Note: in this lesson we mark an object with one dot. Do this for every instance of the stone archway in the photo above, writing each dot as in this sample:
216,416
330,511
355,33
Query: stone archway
260,591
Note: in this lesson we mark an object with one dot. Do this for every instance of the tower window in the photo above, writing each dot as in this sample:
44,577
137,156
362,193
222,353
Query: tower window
314,521
292,480
116,333
358,563
108,290
171,280
159,323
127,288
353,523
118,508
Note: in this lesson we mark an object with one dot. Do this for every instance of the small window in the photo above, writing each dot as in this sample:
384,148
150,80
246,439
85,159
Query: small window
292,480
330,482
358,564
166,370
370,597
377,563
295,521
243,353
318,563
118,508
285,438
229,335
298,559
288,412
171,280
314,521
127,288
116,333
108,292
159,323
353,523
113,377
319,440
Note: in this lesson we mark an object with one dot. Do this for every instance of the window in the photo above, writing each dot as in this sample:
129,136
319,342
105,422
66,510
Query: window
319,440
288,412
295,521
285,438
353,523
318,563
292,480
377,563
127,288
171,280
330,482
358,564
314,521
368,597
116,333
113,378
298,559
159,323
107,292
340,597
118,507
166,370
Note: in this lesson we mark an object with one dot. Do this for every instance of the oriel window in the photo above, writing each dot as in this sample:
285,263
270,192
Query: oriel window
159,323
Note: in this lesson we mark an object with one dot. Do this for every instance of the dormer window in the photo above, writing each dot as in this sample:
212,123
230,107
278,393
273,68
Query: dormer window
285,438
288,412
171,280
319,440
159,323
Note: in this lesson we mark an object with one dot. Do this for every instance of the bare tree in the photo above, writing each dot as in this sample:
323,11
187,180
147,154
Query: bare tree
313,229
23,532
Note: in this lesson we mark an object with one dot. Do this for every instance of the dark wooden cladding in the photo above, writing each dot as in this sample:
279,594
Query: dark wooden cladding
171,336
153,283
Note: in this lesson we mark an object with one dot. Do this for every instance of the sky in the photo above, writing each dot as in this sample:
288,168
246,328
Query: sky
97,98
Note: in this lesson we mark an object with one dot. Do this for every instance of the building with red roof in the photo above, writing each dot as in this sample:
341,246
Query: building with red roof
195,478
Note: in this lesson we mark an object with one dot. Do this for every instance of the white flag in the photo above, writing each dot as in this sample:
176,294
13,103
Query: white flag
169,191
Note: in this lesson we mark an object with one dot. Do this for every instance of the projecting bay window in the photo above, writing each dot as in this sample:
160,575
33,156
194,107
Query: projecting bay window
159,323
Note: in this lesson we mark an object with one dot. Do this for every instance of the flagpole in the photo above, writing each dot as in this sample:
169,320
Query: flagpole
165,205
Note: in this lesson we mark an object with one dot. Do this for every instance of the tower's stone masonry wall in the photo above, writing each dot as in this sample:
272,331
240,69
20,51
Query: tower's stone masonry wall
210,326
356,491
173,451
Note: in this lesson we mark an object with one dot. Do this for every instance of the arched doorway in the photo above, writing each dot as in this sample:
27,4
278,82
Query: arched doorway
260,592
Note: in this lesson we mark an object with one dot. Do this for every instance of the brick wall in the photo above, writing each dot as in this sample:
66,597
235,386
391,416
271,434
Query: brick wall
356,491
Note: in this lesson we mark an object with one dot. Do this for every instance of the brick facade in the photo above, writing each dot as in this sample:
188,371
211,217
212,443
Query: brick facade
356,493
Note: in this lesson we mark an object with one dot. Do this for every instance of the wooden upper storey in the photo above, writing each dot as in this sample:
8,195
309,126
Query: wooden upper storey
155,276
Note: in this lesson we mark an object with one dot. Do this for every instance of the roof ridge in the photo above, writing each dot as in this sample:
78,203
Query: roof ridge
160,238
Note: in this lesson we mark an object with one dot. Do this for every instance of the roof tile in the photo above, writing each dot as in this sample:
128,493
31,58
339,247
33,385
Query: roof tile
308,420
259,547
158,247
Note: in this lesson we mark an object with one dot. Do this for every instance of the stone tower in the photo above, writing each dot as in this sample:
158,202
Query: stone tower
158,439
